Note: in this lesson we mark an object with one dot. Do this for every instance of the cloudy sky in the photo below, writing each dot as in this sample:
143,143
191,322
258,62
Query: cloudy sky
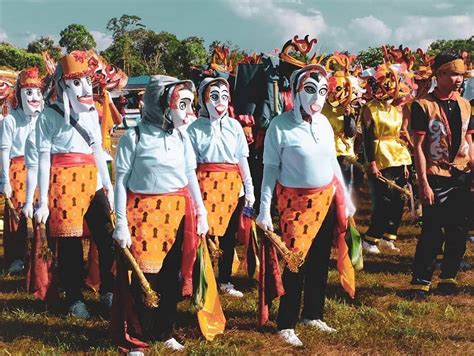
254,25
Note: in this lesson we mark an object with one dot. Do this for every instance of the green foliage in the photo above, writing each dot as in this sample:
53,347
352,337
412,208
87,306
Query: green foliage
45,43
124,25
461,45
371,57
18,59
76,37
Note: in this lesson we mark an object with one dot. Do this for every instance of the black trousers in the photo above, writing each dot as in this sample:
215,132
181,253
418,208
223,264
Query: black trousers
312,277
159,321
227,244
70,253
346,169
387,204
450,212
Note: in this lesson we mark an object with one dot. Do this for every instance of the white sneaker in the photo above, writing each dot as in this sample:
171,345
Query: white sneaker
228,288
369,248
135,353
289,336
319,324
79,310
16,267
173,344
388,246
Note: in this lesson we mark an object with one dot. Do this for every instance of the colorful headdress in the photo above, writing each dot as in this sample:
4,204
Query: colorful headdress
7,83
394,78
220,60
77,64
422,67
106,75
345,88
296,50
30,77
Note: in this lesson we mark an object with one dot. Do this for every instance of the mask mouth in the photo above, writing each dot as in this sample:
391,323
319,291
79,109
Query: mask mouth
112,84
34,103
86,99
315,108
220,109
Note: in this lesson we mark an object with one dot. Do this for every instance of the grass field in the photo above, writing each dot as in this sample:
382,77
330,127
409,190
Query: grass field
379,321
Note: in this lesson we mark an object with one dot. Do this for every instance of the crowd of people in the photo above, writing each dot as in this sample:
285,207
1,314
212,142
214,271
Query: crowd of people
186,182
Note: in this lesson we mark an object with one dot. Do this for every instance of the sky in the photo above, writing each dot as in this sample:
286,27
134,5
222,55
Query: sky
253,25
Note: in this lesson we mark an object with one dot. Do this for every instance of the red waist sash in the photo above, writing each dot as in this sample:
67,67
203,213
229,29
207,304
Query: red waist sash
71,159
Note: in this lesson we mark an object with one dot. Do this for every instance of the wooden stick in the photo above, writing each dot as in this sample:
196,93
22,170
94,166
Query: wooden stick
150,297
275,97
9,205
391,184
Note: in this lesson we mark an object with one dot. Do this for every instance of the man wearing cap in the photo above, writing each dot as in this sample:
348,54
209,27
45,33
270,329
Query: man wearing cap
442,125
73,180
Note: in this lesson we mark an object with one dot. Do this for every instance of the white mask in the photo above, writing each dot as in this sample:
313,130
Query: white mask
312,95
181,109
217,101
31,100
79,91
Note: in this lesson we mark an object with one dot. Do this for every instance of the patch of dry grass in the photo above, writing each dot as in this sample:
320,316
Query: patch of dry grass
380,320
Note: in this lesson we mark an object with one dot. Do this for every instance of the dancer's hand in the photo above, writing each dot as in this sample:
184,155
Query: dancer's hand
249,199
350,208
6,190
202,225
373,169
109,191
264,220
122,236
27,210
426,193
42,213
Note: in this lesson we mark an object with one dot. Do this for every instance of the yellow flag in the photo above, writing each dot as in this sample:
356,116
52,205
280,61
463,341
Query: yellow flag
211,317
106,123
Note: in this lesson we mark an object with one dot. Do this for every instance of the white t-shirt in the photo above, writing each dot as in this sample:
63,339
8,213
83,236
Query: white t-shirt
158,163
16,128
221,141
303,152
55,136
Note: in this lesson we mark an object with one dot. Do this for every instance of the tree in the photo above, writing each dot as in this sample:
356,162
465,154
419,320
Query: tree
461,45
76,37
371,57
124,25
19,59
45,43
191,53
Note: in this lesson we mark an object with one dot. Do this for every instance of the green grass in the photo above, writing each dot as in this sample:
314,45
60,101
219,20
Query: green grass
379,321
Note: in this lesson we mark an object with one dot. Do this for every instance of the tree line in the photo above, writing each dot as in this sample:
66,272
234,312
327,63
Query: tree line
139,50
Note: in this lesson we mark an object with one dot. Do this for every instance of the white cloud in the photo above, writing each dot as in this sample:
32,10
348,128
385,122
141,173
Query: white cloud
443,6
283,21
103,40
3,36
421,31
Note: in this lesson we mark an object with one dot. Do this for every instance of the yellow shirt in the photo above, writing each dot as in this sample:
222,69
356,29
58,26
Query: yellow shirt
344,145
390,151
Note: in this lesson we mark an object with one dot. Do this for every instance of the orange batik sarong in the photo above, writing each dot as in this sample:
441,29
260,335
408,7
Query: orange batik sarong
18,181
153,220
73,182
220,185
302,212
